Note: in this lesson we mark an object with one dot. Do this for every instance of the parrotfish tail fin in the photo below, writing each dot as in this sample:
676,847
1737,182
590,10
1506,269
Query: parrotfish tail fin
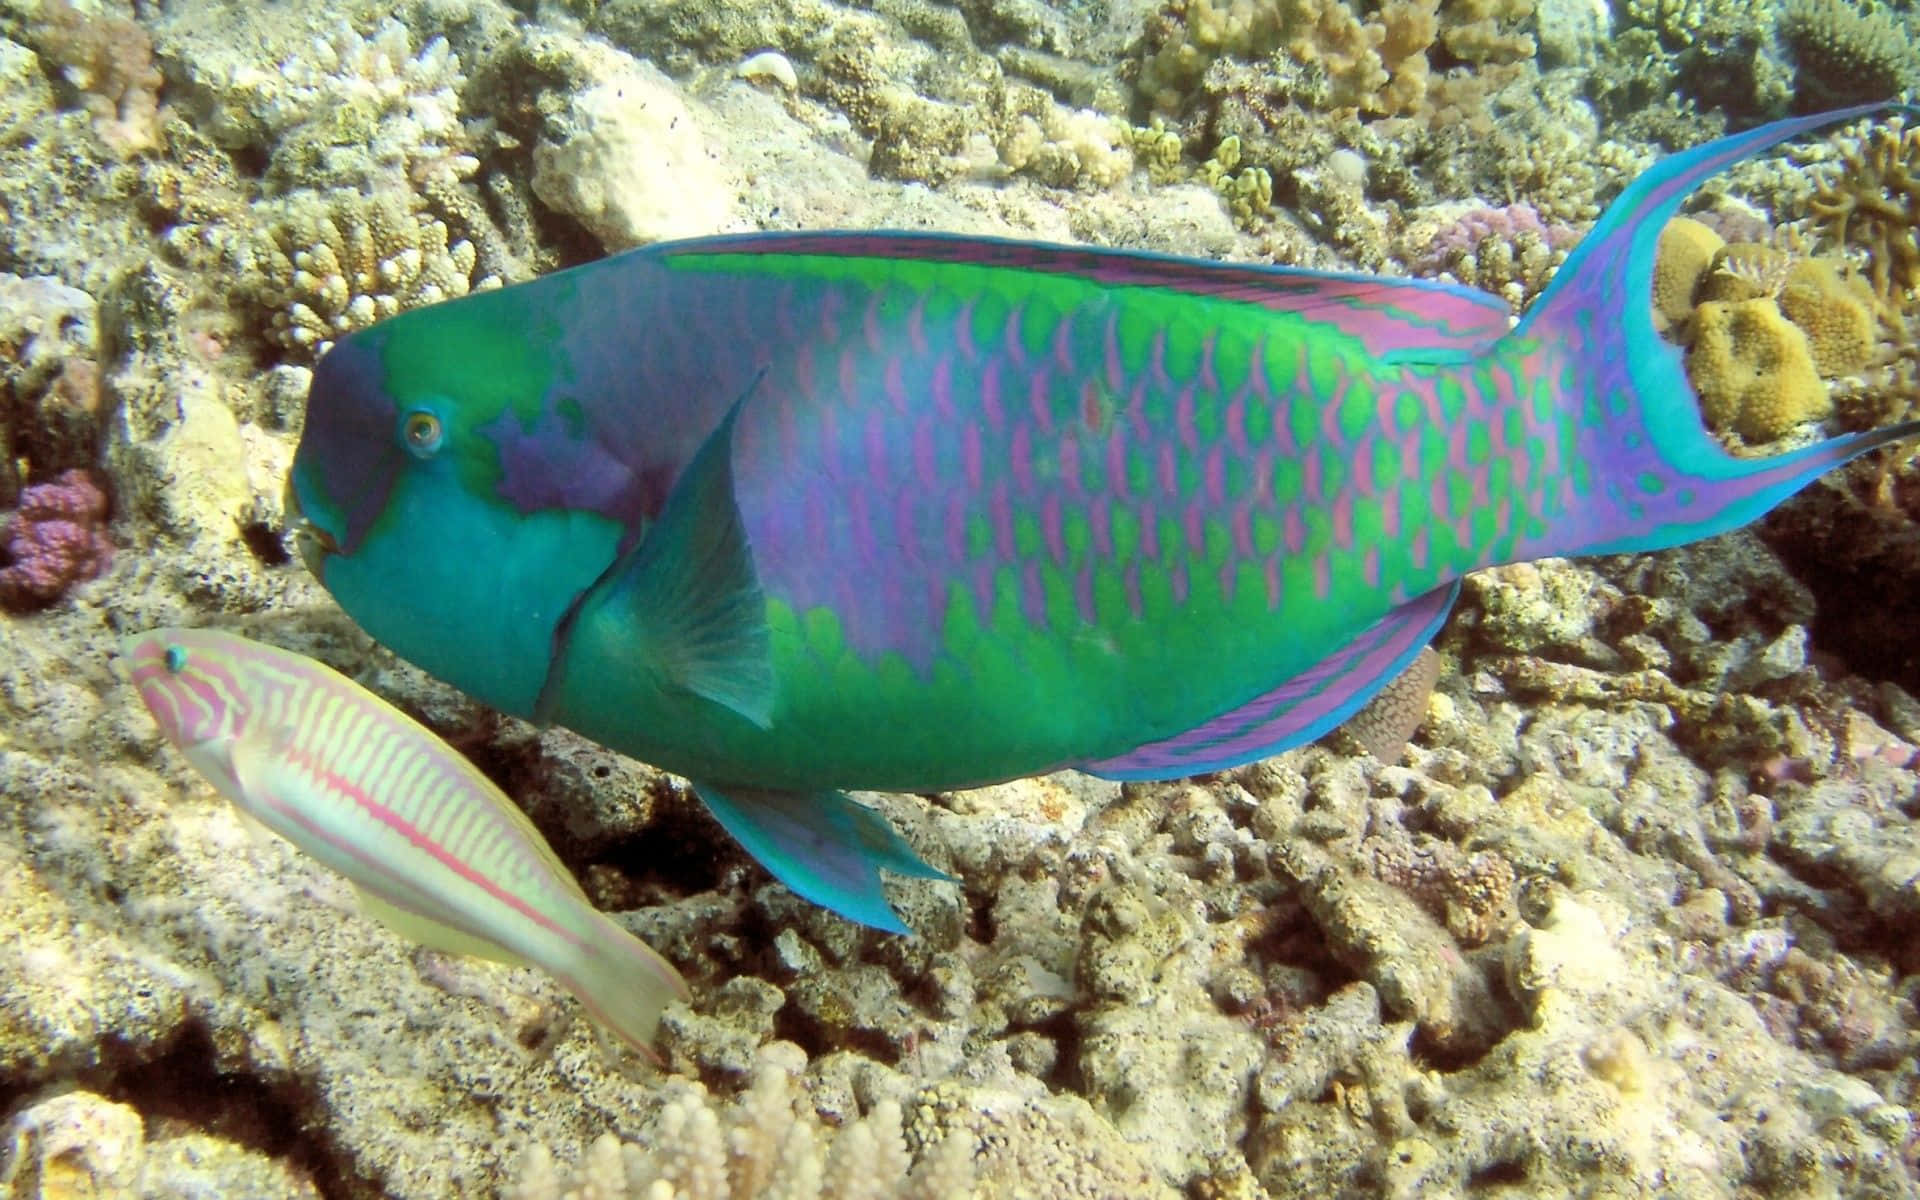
624,984
1644,471
822,845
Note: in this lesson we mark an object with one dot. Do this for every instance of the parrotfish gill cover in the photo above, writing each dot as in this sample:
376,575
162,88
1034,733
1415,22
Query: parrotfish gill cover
790,513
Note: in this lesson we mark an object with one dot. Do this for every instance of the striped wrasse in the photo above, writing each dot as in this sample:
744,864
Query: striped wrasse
431,846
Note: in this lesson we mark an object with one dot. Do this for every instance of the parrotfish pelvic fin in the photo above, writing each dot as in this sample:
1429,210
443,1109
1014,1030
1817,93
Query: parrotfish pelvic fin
822,845
689,589
1300,709
1660,476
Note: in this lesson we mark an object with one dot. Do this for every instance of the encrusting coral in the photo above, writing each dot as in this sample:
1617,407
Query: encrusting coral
766,1145
57,538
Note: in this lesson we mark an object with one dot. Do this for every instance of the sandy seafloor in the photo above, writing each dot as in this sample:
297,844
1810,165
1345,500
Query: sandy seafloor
1633,916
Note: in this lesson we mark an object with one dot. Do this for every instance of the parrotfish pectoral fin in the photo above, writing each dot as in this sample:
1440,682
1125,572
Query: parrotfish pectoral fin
1658,477
1432,320
824,846
686,597
1300,709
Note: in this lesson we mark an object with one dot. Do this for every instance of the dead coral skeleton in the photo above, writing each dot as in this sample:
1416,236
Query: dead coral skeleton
768,1142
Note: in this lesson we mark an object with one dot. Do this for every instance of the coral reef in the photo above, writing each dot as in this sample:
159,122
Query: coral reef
57,538
760,1146
1658,818
1754,369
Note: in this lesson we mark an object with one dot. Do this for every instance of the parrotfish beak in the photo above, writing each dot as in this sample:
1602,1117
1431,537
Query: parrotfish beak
310,541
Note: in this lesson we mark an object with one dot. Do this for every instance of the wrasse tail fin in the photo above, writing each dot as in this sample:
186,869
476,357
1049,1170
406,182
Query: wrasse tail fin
623,983
1646,473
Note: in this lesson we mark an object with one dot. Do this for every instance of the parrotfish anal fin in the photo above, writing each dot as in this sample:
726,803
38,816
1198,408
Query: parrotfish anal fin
1385,723
687,592
1407,317
824,846
1300,709
431,933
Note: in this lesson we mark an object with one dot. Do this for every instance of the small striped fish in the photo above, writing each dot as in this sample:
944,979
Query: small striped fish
434,849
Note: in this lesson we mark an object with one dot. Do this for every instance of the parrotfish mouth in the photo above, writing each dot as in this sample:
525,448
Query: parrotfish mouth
312,543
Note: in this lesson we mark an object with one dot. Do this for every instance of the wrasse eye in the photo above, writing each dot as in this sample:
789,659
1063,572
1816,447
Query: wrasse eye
423,433
176,659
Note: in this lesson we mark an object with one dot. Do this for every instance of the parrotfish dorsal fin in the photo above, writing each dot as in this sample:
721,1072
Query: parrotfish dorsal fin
685,597
1300,709
1419,319
824,846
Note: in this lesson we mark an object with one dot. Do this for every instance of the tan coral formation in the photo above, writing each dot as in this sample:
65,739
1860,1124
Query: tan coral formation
767,1143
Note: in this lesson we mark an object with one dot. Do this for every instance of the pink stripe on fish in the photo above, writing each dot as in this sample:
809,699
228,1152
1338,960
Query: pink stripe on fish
1370,566
1020,459
1293,531
957,505
1117,467
1000,514
1195,525
1227,577
1216,475
1183,420
1237,424
1342,515
1149,533
1169,472
1011,344
1241,526
941,387
1100,521
1322,576
1033,594
1069,451
1040,399
1116,371
990,397
1050,527
892,381
962,336
924,459
917,325
970,469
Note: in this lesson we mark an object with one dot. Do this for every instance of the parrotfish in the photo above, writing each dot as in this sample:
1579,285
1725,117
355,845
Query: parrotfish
791,513
433,848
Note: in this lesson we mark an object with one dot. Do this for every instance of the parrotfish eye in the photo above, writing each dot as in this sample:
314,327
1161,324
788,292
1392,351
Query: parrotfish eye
176,659
423,433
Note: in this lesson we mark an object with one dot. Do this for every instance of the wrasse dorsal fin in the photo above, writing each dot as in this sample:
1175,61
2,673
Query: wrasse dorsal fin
686,595
1411,319
822,845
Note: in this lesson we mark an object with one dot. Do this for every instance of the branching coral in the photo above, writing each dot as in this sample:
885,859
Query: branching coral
1872,203
333,262
767,1143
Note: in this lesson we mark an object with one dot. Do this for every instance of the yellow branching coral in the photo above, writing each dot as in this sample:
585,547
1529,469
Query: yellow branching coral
768,1143
1873,204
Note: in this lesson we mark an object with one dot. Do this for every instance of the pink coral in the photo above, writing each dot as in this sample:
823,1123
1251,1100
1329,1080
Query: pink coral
1467,231
56,539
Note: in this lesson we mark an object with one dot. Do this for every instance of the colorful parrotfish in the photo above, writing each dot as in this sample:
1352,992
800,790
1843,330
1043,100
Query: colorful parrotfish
791,513
433,848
